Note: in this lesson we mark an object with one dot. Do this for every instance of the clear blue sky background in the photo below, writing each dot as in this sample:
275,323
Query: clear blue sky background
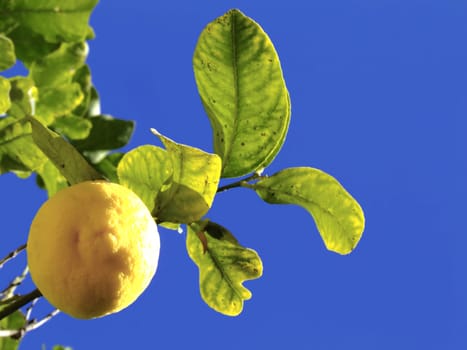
379,100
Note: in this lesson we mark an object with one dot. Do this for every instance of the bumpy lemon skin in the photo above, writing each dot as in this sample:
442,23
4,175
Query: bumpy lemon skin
93,248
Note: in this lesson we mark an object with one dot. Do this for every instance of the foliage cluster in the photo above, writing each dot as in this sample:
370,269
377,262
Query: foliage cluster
52,127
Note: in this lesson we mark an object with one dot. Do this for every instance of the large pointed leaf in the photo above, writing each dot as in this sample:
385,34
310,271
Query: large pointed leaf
18,152
65,157
144,170
338,216
7,53
55,20
5,102
193,184
240,82
223,266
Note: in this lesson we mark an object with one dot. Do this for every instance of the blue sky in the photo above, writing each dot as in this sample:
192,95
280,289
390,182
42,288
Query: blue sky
379,100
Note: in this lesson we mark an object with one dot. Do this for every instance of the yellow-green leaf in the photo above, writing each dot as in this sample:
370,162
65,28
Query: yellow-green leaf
223,266
338,216
55,20
7,53
18,153
144,170
193,184
240,82
71,164
5,102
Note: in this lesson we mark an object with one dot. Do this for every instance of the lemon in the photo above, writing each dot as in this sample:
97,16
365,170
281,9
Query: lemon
93,248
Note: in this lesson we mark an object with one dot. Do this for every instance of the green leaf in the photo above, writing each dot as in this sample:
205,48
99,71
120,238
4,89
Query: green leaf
59,101
107,133
30,46
73,127
60,66
240,82
50,178
55,20
23,97
223,266
65,157
61,347
193,184
5,102
7,53
18,152
13,322
338,216
108,166
145,170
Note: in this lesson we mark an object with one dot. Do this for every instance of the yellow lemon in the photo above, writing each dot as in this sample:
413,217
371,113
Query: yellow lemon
92,249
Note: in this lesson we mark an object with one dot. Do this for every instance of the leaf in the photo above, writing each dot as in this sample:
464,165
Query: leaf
60,66
61,347
240,82
65,157
7,53
30,46
108,166
18,152
73,127
223,266
55,20
338,216
23,97
107,133
59,101
13,322
50,178
5,102
193,184
145,170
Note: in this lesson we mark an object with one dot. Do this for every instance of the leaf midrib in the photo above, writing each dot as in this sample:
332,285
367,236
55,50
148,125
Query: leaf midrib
233,36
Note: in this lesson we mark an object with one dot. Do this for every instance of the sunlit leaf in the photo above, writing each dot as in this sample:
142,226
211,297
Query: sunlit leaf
223,266
60,66
65,157
5,102
145,170
192,186
55,20
50,178
73,127
30,46
13,322
59,101
338,216
23,97
7,53
240,82
18,152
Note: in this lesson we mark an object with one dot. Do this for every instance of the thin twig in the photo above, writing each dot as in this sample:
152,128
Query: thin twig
239,183
8,291
12,255
20,302
19,333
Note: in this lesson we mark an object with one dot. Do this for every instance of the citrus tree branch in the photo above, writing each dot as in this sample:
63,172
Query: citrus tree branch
18,333
12,255
239,183
19,303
